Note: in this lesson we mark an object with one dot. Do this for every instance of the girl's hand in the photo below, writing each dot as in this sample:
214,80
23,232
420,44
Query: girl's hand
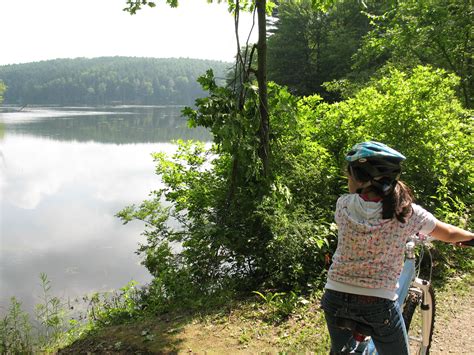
467,243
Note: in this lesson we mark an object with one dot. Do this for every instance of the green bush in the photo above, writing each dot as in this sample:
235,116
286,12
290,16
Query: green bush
15,330
19,334
225,224
114,307
418,114
234,225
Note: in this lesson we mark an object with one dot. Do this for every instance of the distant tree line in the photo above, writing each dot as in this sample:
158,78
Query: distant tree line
2,90
107,80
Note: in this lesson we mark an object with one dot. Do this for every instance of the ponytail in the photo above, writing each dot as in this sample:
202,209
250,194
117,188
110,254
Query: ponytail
396,195
398,202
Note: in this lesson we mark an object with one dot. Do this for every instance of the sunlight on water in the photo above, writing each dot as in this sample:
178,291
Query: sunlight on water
32,115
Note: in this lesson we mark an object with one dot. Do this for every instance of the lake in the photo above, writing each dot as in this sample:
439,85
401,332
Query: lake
65,173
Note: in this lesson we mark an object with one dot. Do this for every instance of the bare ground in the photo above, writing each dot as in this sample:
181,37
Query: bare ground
242,331
454,326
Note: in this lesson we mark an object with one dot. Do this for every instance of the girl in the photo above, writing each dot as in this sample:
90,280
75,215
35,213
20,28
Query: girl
374,221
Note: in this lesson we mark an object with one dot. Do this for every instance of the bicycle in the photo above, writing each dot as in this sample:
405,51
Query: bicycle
417,299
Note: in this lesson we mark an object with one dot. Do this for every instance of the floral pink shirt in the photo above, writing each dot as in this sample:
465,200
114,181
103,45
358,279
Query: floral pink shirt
370,250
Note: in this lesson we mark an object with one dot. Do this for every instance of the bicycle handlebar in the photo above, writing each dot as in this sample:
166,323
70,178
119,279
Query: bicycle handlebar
422,238
468,243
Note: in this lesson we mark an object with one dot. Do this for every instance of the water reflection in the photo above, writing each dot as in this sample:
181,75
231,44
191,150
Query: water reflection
121,125
61,186
37,167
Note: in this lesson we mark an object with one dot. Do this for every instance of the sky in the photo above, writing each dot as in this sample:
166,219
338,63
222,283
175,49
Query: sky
34,30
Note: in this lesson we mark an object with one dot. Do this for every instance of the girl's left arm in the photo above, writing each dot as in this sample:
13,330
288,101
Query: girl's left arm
450,234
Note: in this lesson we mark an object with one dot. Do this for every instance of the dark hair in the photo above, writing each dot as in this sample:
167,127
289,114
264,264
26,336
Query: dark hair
396,203
396,195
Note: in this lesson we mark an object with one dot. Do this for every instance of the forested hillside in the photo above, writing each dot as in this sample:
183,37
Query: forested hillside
107,80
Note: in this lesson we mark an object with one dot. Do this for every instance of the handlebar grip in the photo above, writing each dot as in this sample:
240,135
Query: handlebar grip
469,243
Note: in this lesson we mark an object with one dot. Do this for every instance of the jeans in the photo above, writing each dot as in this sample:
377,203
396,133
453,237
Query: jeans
381,318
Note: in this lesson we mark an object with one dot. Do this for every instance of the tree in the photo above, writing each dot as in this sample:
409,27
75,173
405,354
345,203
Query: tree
264,129
226,210
3,88
242,226
289,50
235,6
412,32
311,47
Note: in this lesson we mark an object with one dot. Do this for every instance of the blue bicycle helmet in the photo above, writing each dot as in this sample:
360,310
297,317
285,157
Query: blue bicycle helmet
375,162
368,150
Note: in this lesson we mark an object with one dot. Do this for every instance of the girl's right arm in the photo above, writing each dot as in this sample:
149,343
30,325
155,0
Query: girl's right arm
450,234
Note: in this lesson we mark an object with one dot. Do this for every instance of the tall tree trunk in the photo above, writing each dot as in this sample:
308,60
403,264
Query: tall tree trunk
264,131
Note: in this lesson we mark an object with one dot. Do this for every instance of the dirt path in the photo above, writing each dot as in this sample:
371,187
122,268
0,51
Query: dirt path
454,326
239,332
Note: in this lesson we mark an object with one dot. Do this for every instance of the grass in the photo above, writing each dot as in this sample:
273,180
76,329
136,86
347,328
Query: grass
243,327
262,323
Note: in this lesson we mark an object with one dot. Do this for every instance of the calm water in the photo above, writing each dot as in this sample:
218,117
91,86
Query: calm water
65,173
